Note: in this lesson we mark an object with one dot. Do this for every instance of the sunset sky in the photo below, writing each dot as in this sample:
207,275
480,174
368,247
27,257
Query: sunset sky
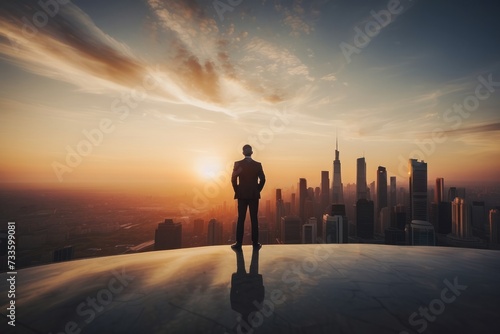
163,94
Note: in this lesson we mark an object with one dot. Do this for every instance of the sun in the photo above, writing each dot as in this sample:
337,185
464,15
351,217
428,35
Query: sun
208,168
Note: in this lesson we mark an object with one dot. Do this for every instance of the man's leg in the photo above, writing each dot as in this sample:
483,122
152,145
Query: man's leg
242,212
254,211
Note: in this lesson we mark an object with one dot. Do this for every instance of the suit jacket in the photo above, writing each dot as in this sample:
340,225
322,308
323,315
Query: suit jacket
251,179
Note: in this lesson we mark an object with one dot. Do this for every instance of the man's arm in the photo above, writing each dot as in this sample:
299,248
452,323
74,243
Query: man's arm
234,176
262,178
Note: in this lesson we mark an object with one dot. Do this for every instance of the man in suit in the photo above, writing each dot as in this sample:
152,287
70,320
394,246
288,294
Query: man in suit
251,179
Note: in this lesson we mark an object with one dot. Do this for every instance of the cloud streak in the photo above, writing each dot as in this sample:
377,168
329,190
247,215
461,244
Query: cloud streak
200,71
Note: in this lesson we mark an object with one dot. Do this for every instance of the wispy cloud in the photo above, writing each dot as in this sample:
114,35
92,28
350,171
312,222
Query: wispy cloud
329,77
294,18
69,48
201,70
473,129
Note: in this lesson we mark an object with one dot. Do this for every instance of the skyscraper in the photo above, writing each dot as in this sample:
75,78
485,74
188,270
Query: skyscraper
441,209
452,193
280,212
336,229
381,189
214,236
479,219
337,187
361,179
460,219
168,235
439,192
290,230
422,233
392,193
309,231
302,198
198,227
418,189
364,218
398,217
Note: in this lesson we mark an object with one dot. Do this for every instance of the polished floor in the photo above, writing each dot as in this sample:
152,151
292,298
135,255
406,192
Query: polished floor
348,288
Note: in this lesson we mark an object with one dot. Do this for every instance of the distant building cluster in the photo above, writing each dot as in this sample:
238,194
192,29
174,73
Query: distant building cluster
378,212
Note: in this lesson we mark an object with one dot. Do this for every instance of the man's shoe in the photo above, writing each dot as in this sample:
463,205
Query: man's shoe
236,246
257,245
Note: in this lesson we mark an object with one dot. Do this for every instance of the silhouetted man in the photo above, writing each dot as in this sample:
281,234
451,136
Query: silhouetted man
248,180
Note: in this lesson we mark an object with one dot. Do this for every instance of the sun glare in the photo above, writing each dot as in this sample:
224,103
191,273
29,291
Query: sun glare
208,168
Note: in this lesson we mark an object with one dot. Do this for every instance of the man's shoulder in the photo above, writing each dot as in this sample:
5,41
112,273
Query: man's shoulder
247,162
255,163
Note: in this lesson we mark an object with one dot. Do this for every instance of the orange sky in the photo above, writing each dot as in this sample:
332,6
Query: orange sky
164,101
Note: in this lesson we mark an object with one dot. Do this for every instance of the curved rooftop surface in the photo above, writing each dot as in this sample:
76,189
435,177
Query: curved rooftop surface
347,288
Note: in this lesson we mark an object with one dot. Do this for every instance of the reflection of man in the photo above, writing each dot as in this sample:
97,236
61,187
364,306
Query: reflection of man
247,291
248,180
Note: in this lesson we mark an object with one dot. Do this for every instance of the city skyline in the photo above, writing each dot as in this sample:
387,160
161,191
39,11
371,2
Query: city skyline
159,96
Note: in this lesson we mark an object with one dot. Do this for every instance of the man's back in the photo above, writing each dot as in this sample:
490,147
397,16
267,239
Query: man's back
251,179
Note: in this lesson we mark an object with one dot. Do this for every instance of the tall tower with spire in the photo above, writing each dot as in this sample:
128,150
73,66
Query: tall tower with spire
337,187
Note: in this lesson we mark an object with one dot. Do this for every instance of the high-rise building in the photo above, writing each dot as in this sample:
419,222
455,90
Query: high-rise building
398,217
402,197
337,187
439,192
455,192
364,218
325,190
441,217
392,193
394,236
336,229
422,233
371,192
460,219
309,231
441,208
302,198
317,194
290,230
214,236
381,189
308,209
263,230
198,227
311,194
268,209
168,235
288,211
452,193
384,219
361,179
444,219
494,226
479,219
418,189
280,212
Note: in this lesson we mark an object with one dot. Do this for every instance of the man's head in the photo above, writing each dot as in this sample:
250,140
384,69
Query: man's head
247,150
